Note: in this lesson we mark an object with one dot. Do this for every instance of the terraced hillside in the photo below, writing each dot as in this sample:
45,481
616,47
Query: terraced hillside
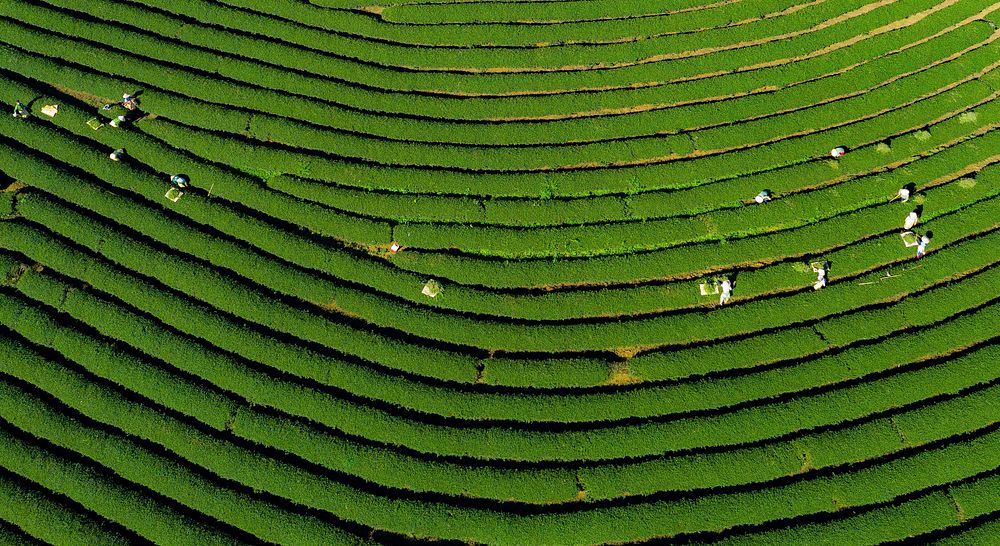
438,273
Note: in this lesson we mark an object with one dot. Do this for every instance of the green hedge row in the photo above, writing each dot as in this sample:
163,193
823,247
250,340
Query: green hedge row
759,350
773,214
637,154
470,107
258,305
804,46
501,83
969,405
601,482
672,467
445,59
666,120
356,303
827,450
923,469
135,509
578,408
583,240
895,522
559,13
259,389
131,328
986,527
523,36
202,283
251,157
726,194
592,436
10,535
76,185
142,465
717,512
790,212
40,519
345,266
6,203
163,46
809,240
231,156
394,469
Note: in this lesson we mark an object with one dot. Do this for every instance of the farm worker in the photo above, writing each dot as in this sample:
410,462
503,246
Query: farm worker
117,121
763,197
922,245
821,279
911,220
904,194
179,180
727,291
130,101
838,151
20,112
117,154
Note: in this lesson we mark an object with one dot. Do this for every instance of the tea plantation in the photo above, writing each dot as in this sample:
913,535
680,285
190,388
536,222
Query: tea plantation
494,272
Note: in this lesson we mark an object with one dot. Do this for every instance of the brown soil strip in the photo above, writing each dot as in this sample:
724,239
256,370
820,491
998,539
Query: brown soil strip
14,186
93,100
334,308
620,374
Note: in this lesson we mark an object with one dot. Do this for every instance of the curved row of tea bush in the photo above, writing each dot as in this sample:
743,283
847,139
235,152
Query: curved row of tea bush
252,363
